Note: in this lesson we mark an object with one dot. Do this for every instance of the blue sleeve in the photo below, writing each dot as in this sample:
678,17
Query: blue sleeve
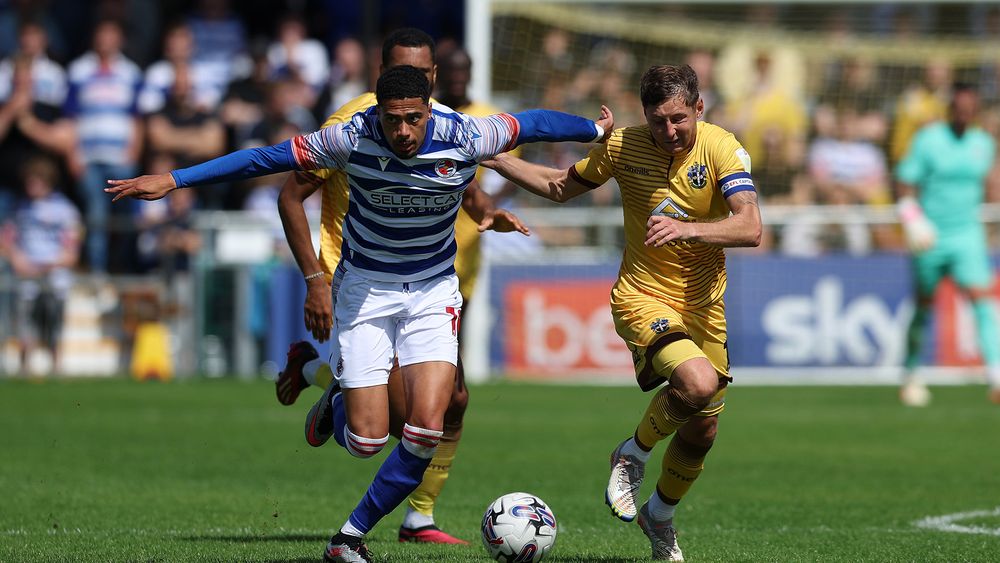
247,163
537,125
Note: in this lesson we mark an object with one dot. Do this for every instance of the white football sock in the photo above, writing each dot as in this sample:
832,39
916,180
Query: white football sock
633,449
660,510
309,370
415,520
993,377
350,530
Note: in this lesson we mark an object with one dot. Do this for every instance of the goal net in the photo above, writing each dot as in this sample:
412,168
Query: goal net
822,96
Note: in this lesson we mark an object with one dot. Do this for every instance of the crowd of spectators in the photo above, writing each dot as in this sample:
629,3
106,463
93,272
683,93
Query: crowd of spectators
821,129
204,85
154,87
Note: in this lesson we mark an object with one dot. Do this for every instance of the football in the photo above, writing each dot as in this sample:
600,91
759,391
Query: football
518,527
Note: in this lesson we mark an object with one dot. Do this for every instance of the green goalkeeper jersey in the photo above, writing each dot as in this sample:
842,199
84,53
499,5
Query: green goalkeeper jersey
949,172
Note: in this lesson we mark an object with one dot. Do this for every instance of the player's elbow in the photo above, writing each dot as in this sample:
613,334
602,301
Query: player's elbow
754,235
559,195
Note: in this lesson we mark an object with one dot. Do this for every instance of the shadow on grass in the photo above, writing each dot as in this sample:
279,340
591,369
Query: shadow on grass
592,559
251,538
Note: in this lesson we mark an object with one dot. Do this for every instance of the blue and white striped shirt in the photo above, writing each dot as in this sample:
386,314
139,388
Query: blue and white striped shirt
104,102
400,224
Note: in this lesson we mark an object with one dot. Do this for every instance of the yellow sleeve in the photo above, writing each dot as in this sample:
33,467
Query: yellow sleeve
598,166
343,114
730,157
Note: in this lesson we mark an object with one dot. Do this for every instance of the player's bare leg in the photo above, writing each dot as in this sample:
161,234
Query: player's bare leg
418,524
692,385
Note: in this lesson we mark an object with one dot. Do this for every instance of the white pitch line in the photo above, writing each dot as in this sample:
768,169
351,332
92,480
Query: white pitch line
947,523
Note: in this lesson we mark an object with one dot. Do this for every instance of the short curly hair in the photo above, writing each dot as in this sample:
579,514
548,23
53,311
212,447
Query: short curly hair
402,82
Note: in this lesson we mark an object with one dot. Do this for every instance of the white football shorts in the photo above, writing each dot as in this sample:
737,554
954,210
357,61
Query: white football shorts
377,321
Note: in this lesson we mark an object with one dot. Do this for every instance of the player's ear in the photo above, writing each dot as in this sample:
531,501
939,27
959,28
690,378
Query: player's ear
699,107
434,75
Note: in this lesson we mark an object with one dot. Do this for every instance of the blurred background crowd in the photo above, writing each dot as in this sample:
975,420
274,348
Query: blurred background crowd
115,88
824,98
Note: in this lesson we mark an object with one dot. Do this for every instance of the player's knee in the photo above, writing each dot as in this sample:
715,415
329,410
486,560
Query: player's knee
698,388
360,446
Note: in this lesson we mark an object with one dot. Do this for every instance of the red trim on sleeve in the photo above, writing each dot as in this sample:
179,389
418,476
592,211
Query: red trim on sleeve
515,128
576,176
300,154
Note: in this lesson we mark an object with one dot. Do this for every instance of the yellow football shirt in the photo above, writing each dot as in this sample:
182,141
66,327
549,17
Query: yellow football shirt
688,187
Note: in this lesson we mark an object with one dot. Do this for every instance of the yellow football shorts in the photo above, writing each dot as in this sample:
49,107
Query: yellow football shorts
649,325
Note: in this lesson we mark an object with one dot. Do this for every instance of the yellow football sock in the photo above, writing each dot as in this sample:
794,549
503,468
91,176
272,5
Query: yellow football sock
667,411
422,499
682,463
324,376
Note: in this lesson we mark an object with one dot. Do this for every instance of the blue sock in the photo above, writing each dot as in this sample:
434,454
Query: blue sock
398,476
339,419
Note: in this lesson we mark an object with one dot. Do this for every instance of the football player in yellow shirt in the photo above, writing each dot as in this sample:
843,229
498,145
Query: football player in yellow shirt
687,194
412,47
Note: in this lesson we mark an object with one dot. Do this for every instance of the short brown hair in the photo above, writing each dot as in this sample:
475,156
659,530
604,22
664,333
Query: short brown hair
41,167
664,82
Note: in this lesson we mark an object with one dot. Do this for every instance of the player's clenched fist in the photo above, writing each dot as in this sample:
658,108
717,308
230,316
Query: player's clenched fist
661,230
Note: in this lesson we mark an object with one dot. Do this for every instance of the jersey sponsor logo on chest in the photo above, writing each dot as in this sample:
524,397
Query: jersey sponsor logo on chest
413,203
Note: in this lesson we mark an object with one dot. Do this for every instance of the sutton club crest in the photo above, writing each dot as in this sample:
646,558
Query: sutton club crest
445,167
698,175
659,326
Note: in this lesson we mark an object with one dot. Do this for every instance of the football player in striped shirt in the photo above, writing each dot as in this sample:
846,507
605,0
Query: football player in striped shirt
687,194
405,46
396,291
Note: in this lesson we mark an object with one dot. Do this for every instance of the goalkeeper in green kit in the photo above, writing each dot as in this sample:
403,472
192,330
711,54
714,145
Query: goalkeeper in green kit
940,185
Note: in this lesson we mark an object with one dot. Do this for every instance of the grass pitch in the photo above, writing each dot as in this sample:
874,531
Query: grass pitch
113,470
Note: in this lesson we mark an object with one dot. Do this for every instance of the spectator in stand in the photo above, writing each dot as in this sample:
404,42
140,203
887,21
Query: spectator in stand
243,105
854,83
548,75
48,79
294,56
220,38
182,128
348,78
28,128
102,102
208,79
41,240
283,106
168,239
919,105
846,169
703,63
769,116
14,14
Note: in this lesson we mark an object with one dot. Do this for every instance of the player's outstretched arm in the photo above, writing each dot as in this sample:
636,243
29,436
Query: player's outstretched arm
318,306
247,163
550,183
544,125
